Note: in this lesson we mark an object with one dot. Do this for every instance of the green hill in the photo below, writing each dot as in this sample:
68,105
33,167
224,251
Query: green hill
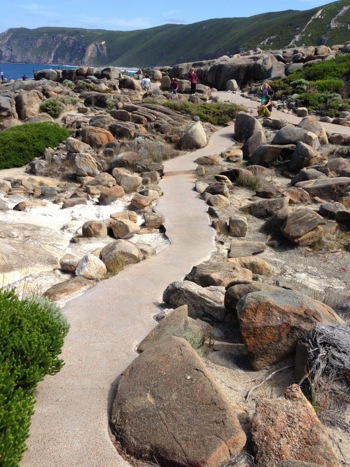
172,43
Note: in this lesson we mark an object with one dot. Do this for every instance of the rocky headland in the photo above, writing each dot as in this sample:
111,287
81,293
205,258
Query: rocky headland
223,378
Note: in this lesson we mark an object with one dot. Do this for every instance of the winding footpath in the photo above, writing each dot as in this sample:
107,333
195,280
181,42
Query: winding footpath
70,425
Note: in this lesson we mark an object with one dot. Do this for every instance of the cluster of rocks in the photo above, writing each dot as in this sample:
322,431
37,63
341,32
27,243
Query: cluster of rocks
113,155
168,406
237,311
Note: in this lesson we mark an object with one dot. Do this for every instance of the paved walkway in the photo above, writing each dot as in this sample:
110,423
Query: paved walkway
70,425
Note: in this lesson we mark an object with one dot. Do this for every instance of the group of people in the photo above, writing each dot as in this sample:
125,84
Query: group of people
265,107
174,85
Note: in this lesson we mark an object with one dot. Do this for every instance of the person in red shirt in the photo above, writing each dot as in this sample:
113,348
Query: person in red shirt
193,81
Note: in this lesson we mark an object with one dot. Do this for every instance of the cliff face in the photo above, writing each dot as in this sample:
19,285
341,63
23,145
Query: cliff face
49,47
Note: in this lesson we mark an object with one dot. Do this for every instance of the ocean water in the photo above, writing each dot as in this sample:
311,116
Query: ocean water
18,70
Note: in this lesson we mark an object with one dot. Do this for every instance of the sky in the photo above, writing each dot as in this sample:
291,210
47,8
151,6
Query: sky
128,15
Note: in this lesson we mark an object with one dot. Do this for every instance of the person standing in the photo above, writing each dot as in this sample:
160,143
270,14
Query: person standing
193,81
2,76
146,83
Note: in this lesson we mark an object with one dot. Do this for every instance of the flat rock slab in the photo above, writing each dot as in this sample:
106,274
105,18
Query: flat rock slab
241,248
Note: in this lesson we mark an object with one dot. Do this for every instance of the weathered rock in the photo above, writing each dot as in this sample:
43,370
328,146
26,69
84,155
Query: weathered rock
271,323
68,288
194,137
28,104
171,380
176,323
141,200
253,263
218,201
153,220
207,160
91,267
109,195
96,137
287,429
84,164
291,134
218,188
28,249
246,126
119,253
94,229
267,154
328,188
7,108
240,248
299,223
255,141
330,210
297,195
129,182
221,274
311,123
268,207
236,291
237,226
124,228
69,263
304,156
202,302
308,173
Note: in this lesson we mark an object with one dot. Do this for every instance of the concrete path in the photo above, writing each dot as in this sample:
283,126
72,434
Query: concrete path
70,425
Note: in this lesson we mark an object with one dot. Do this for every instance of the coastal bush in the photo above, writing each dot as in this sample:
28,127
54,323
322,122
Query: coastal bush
215,113
52,107
32,334
322,87
21,144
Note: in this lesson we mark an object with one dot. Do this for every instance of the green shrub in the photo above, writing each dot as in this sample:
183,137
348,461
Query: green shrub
52,107
215,113
20,145
31,338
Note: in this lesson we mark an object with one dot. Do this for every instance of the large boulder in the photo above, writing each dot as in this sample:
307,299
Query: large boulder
7,108
272,321
202,302
288,429
28,104
312,124
221,274
291,134
246,126
194,137
119,253
300,223
28,249
166,402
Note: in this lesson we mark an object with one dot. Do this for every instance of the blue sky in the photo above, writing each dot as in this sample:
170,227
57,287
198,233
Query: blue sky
134,14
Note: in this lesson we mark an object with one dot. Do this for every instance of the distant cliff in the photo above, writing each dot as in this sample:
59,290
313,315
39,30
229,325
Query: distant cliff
174,43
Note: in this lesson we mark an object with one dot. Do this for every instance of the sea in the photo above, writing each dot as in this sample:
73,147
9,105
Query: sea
18,70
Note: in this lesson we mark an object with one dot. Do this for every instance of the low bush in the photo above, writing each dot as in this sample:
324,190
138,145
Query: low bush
215,113
21,144
32,334
52,107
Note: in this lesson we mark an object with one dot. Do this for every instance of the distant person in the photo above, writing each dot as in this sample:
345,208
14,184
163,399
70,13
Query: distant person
146,83
2,76
265,108
265,90
24,77
193,81
174,86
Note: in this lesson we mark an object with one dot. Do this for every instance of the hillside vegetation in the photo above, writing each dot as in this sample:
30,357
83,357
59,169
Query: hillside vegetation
172,43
